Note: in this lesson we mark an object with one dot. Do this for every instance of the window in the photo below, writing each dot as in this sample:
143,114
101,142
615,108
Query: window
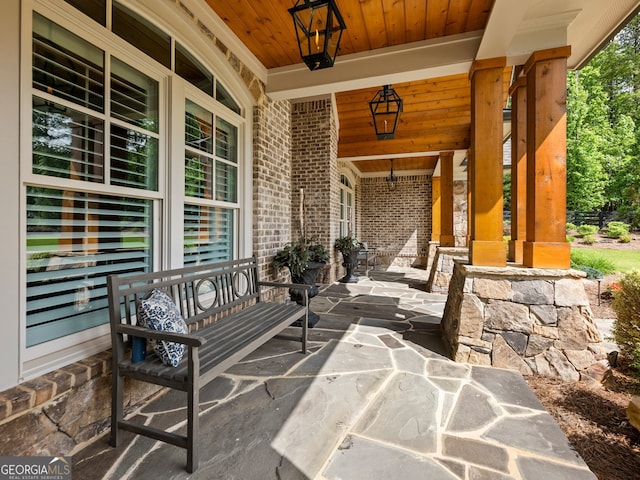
140,33
74,240
76,235
193,71
346,207
210,180
95,181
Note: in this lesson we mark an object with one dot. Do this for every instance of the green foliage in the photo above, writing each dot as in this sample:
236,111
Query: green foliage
570,238
585,257
587,230
616,229
591,272
625,238
586,139
347,244
589,239
636,359
571,227
296,255
630,213
506,192
603,138
626,304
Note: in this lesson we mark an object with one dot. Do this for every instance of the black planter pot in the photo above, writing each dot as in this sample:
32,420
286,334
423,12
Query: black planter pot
307,277
350,262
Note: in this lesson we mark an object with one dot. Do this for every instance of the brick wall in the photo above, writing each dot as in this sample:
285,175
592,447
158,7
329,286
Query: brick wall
271,181
314,153
397,223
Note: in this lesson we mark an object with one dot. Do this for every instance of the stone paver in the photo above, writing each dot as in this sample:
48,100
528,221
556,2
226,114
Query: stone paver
376,398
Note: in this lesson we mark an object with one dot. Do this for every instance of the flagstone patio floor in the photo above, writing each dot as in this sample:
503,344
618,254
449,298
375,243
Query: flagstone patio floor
375,398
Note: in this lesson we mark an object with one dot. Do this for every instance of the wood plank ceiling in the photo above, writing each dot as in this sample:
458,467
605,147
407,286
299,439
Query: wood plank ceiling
437,111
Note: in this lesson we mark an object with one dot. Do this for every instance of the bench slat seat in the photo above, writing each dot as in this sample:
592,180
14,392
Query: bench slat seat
231,337
222,304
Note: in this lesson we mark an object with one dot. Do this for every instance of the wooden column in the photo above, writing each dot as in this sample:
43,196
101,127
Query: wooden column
546,245
435,209
518,94
487,246
447,239
469,216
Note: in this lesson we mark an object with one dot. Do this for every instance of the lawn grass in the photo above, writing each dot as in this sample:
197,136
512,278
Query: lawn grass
622,260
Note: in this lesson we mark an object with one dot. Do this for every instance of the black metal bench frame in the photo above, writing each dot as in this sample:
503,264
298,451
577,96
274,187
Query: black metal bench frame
227,318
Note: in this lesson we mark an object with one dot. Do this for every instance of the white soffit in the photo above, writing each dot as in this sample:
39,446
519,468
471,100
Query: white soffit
517,29
597,22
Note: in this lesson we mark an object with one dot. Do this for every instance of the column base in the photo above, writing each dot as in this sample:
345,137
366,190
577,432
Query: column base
447,240
515,251
488,253
546,254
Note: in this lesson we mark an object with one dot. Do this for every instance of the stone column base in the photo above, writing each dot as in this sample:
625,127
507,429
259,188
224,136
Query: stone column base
530,320
442,267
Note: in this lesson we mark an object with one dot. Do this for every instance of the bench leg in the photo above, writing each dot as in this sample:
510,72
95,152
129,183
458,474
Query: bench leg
193,410
117,386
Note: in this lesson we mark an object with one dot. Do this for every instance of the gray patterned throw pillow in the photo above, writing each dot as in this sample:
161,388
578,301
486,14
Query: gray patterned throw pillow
157,311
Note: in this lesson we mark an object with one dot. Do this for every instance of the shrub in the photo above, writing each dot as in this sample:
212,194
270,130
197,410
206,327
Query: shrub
570,238
591,272
616,229
589,239
630,213
584,257
636,359
625,238
626,304
587,229
570,227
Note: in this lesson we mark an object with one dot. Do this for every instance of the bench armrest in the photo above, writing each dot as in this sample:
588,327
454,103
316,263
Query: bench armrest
183,338
295,286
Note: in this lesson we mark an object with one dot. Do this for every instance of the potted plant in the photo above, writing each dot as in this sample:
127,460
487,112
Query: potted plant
350,247
303,259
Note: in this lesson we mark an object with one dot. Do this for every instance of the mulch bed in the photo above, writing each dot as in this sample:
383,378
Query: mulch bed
592,415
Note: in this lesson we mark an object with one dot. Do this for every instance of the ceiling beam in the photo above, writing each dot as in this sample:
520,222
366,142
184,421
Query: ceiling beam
437,57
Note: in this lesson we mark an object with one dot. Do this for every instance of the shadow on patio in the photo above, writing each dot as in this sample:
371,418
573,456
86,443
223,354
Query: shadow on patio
376,398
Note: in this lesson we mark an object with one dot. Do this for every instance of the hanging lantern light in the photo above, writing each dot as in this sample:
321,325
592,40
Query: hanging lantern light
392,180
319,27
386,107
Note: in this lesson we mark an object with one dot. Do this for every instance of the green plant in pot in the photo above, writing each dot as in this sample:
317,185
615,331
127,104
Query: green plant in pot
304,259
350,247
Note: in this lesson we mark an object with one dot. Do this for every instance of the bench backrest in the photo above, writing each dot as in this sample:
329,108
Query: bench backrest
200,291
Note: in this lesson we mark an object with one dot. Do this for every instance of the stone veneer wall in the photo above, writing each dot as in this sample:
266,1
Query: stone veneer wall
530,320
442,267
314,156
397,223
460,227
56,412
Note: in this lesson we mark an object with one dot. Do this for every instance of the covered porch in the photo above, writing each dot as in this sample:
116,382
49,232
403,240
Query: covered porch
376,398
284,133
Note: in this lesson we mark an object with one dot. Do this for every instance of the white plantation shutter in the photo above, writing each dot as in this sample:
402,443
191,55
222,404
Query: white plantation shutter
74,240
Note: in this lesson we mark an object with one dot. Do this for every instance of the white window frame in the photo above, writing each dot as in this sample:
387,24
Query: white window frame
167,219
348,217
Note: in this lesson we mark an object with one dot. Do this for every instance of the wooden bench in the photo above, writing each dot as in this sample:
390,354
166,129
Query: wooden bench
227,318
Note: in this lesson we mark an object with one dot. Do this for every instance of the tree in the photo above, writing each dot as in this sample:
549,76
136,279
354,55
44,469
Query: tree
586,133
603,109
